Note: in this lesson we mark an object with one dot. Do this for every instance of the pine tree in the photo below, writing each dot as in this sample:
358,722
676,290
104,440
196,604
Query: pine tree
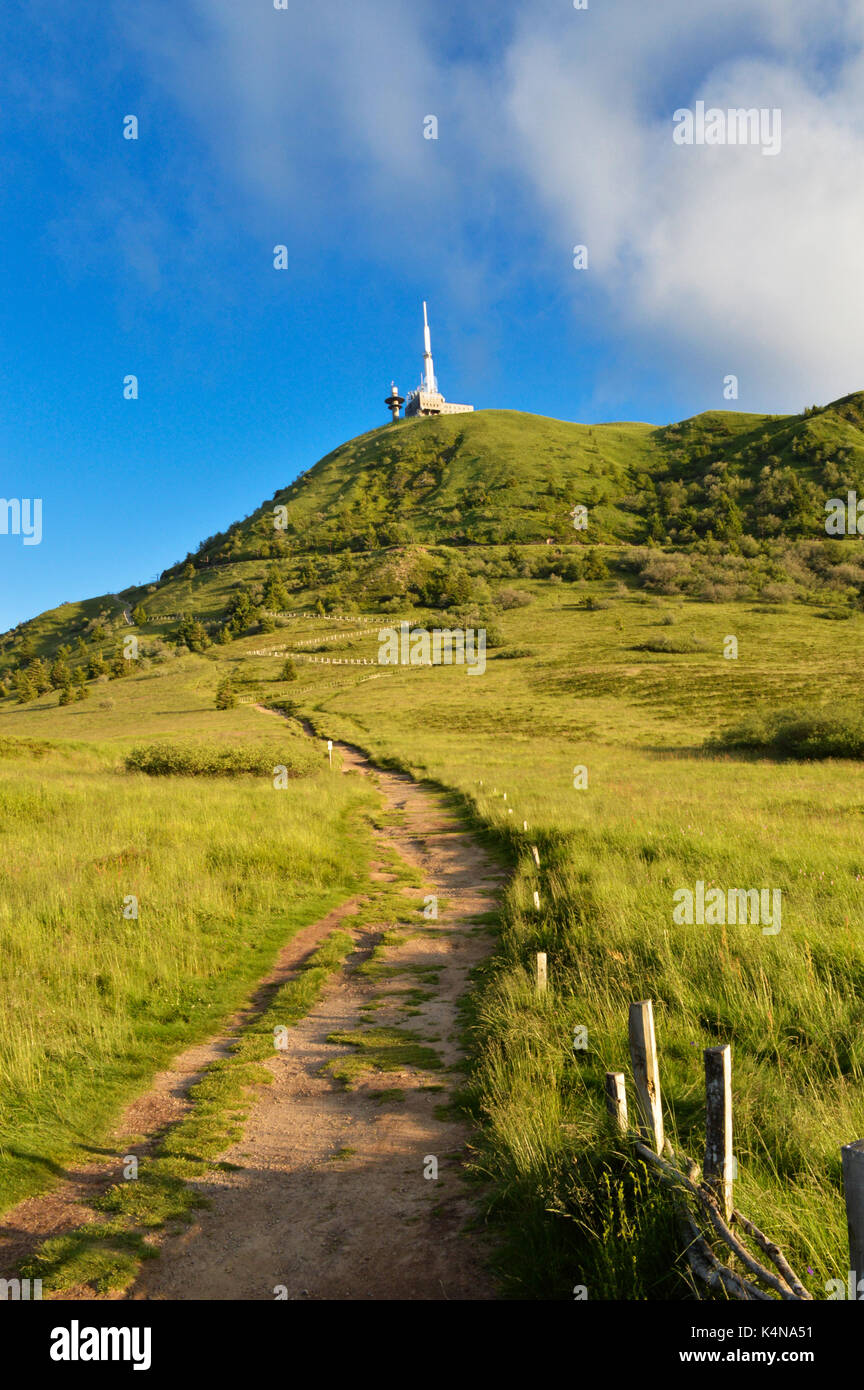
226,695
24,689
60,674
38,673
275,593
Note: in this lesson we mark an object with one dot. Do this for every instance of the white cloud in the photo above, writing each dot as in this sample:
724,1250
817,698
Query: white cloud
707,260
725,259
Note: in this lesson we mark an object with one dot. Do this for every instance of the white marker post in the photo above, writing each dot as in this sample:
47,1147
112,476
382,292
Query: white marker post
330,750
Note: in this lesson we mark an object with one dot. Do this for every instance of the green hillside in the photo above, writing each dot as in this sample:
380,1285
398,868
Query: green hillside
431,512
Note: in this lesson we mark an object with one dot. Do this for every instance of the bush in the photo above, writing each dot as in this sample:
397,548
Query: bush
288,707
222,760
677,645
796,733
512,598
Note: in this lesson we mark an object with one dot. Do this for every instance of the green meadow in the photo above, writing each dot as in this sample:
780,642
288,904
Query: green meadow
220,871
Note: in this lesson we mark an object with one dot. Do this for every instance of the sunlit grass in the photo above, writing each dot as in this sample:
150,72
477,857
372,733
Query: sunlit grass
220,872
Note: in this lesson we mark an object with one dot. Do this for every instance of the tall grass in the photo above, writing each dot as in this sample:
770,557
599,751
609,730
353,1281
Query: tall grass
94,998
657,815
201,759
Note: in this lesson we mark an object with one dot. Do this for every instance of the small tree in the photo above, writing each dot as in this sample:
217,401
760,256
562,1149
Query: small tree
275,594
24,689
60,673
289,671
226,695
38,674
139,615
66,696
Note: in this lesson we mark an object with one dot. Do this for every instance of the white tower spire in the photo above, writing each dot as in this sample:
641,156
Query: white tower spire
428,370
426,399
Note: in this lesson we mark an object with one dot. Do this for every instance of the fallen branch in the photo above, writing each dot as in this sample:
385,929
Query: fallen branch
791,1290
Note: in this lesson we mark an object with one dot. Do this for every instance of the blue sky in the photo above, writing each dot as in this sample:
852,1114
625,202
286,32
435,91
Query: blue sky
304,127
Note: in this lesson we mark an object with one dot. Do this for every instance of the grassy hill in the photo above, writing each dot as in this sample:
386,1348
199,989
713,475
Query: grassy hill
434,511
608,651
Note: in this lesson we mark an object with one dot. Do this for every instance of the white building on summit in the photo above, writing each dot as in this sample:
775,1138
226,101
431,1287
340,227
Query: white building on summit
426,399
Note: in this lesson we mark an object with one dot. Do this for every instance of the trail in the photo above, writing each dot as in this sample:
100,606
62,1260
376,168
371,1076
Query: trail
331,1196
66,1205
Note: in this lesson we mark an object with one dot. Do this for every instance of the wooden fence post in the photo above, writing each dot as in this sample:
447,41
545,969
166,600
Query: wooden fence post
646,1073
616,1100
853,1189
541,972
719,1163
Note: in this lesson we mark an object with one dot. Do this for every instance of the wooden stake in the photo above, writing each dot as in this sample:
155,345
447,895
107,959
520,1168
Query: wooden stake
719,1163
616,1100
536,853
646,1073
541,972
853,1188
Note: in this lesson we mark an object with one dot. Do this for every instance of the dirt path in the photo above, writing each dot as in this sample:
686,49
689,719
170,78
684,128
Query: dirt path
67,1204
334,1193
333,1196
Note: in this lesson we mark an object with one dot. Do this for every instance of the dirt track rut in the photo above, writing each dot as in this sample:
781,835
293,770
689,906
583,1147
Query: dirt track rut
330,1197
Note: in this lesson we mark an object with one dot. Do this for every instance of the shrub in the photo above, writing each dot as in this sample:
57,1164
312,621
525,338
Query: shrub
512,598
678,645
289,707
218,760
797,733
